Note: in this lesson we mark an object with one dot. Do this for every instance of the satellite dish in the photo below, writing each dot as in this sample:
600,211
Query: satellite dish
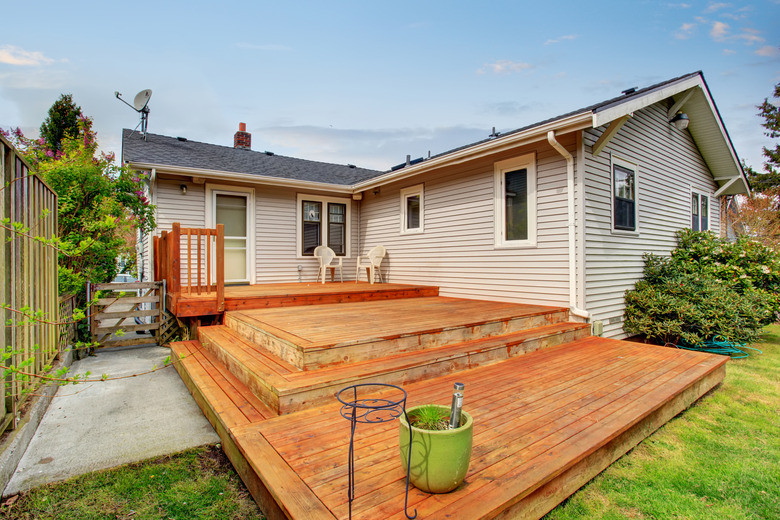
142,99
140,103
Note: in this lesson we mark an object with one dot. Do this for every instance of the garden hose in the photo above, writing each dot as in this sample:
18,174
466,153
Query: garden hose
720,346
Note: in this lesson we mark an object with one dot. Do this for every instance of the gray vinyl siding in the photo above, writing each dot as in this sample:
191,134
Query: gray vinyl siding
456,251
668,164
275,242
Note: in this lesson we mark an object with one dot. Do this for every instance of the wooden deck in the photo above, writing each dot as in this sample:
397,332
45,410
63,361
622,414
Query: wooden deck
545,424
271,295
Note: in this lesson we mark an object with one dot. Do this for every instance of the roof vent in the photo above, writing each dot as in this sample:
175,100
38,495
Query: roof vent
182,139
351,166
629,91
268,153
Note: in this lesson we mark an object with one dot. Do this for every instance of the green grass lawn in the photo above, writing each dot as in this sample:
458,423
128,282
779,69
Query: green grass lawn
719,459
196,484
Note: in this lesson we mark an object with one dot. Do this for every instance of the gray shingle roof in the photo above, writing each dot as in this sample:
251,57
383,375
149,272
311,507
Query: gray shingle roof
172,151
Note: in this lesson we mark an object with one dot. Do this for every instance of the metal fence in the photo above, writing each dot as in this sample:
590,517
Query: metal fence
28,209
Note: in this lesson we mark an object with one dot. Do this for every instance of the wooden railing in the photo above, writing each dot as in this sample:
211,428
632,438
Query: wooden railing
28,209
191,261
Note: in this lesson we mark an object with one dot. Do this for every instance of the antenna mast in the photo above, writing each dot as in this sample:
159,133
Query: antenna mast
140,105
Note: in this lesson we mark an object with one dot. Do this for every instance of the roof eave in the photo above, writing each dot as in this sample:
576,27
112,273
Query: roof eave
242,177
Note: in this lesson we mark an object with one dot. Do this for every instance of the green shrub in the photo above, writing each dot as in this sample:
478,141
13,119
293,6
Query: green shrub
707,288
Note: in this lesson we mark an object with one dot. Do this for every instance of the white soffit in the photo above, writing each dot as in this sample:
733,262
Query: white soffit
705,127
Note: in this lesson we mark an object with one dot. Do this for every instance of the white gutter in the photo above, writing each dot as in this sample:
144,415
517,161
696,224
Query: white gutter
571,225
242,177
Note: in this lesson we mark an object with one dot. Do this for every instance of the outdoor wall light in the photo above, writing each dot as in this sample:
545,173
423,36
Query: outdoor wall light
680,121
377,190
183,189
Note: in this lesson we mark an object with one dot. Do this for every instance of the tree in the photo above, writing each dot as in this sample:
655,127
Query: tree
62,122
758,216
98,204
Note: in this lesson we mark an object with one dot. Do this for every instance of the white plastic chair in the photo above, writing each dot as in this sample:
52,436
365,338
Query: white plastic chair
326,255
371,263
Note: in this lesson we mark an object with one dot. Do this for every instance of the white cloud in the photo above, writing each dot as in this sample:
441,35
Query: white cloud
561,38
716,6
719,31
13,55
768,50
729,52
681,6
685,31
378,148
750,36
505,67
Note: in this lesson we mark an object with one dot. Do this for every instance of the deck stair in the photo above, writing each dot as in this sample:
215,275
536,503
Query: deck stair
293,360
267,378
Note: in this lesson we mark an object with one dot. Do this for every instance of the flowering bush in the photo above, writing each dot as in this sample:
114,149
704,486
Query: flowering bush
708,287
99,204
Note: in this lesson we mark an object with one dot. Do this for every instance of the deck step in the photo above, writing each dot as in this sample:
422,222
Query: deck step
309,338
224,399
285,389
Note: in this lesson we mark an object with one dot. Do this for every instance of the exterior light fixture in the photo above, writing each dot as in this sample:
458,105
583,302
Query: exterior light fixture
680,121
183,189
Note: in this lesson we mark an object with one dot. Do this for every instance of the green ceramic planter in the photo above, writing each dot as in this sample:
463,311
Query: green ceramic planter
440,459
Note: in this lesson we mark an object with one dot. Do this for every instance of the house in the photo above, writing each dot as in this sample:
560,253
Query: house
555,213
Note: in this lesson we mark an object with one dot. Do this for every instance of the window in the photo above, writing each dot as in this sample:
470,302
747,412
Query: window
515,202
624,200
700,212
412,209
337,227
323,220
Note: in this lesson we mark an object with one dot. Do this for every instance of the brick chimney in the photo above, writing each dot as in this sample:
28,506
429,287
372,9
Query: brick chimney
242,139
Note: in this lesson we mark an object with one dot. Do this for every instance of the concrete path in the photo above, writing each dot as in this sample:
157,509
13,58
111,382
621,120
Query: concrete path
100,425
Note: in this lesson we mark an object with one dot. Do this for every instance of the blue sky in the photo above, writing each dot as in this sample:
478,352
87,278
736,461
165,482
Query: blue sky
369,82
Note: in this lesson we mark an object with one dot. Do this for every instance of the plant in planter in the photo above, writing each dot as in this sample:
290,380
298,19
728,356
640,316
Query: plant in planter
440,456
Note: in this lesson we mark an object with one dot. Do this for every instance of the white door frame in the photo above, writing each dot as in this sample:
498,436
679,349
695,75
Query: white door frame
212,190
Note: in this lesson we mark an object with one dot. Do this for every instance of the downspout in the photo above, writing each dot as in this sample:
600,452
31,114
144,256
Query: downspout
573,309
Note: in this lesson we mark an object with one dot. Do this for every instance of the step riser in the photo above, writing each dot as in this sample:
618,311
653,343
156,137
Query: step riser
381,347
306,398
279,347
257,384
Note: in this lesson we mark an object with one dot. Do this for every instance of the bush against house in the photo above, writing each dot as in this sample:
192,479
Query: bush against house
709,288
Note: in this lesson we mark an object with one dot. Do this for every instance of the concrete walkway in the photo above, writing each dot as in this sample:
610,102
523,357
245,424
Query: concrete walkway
100,425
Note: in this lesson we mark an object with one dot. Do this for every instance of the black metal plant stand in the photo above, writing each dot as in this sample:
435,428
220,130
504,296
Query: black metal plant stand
372,410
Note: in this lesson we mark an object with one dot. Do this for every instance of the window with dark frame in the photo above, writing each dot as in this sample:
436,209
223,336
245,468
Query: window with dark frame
700,211
337,228
624,206
413,211
312,226
516,204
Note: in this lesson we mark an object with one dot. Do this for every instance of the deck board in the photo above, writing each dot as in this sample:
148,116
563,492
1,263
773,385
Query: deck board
540,420
313,327
273,295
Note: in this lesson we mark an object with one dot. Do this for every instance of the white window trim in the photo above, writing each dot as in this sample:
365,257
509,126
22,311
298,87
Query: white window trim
701,193
411,191
324,200
635,168
527,161
211,214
